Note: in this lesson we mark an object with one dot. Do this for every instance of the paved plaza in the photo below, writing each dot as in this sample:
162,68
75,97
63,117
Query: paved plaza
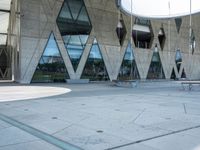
99,116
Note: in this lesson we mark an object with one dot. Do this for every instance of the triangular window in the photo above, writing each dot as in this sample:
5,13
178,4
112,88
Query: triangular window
128,69
173,75
51,67
95,69
75,7
121,31
65,13
156,69
83,16
178,59
161,38
75,27
178,22
142,33
183,75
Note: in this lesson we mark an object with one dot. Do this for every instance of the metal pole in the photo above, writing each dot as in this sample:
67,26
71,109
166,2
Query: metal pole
131,21
4,10
131,39
169,30
190,27
190,40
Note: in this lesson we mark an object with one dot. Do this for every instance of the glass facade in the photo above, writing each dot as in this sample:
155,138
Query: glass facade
192,42
161,38
178,22
144,22
95,69
142,33
51,67
173,75
3,64
178,59
155,69
75,26
121,30
128,70
183,75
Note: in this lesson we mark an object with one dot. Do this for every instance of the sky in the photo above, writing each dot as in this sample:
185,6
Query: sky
160,8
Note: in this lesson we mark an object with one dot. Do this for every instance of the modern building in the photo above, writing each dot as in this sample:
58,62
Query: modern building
56,40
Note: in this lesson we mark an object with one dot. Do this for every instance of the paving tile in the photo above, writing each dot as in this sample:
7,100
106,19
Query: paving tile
90,139
34,145
136,147
98,116
174,142
13,135
4,125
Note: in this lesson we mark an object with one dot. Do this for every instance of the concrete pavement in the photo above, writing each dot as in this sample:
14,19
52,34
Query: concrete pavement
153,116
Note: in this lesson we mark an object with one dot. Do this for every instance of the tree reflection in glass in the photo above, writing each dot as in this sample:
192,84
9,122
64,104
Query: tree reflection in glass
128,70
51,67
156,69
75,27
178,59
95,69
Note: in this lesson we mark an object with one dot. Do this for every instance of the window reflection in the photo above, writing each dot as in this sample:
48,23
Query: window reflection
75,26
155,69
178,22
173,75
3,64
95,69
51,67
183,75
161,38
142,33
192,41
121,30
178,59
128,70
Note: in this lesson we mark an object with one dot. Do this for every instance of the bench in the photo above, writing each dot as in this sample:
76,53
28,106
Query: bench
125,83
190,84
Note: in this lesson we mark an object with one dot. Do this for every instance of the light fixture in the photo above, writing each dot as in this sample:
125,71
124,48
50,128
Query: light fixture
156,49
119,25
161,32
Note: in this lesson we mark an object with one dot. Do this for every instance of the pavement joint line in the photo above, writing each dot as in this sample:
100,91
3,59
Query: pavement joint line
39,134
184,106
139,115
121,95
152,138
31,141
62,129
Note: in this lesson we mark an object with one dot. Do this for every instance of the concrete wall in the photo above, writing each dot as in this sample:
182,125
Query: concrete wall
14,40
38,20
